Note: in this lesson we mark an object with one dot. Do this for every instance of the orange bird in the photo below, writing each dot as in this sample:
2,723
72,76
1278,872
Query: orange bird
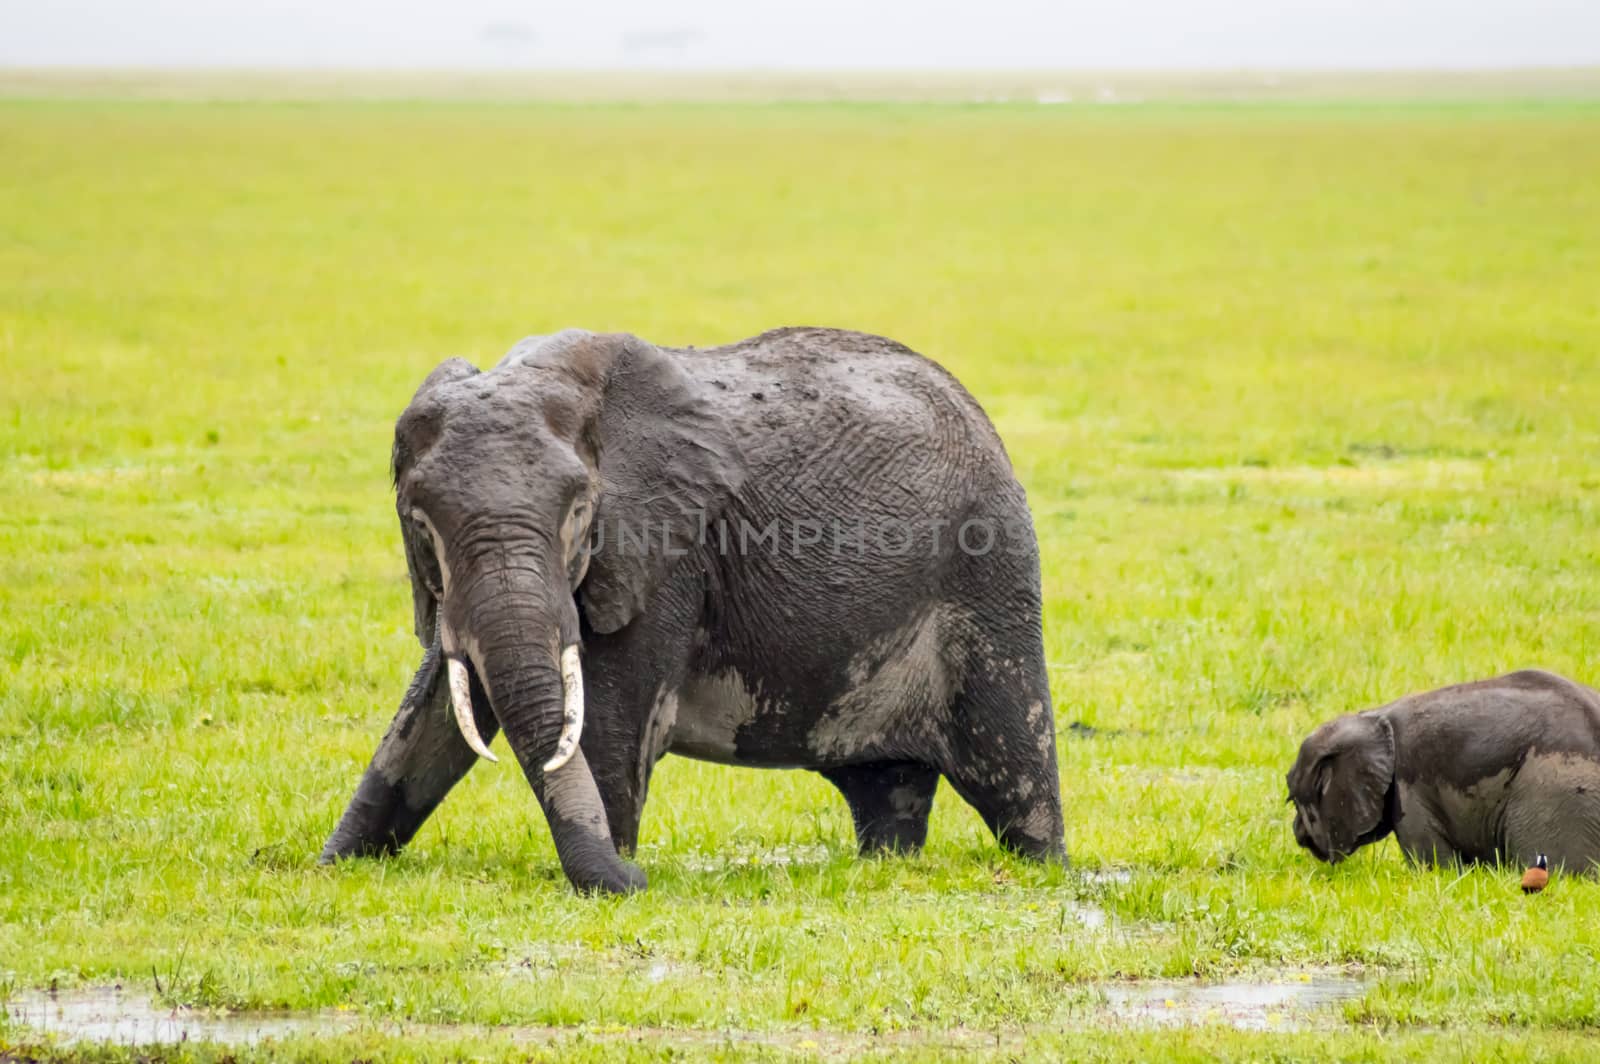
1534,879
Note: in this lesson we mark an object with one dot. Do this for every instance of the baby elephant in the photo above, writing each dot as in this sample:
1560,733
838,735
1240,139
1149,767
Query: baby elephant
1500,770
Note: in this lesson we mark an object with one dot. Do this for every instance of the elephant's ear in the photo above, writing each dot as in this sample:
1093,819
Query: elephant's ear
422,566
668,463
420,560
1354,779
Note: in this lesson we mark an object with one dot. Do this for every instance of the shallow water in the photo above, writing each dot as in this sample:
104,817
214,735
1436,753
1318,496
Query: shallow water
108,1014
1251,1006
112,1015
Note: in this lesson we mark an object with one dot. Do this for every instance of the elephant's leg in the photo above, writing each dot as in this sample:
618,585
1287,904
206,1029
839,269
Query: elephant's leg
889,801
1423,840
631,680
421,757
1003,757
623,753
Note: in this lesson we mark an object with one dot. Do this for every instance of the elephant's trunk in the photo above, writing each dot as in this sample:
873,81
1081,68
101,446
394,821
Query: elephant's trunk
521,673
571,706
522,639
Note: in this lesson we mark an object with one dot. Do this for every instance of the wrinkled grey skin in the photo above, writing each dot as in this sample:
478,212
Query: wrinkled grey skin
1497,771
881,668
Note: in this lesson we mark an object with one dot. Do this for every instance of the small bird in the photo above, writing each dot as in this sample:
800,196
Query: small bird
1534,879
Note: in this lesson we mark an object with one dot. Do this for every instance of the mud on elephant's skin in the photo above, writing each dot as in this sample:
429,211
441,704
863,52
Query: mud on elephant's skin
1500,770
566,517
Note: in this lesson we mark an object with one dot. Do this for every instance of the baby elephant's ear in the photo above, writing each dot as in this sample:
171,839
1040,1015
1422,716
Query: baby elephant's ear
1360,769
668,462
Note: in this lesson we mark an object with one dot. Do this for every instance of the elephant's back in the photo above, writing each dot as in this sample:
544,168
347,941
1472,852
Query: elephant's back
1472,731
853,413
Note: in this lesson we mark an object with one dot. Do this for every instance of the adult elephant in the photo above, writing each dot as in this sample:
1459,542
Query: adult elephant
1500,770
803,550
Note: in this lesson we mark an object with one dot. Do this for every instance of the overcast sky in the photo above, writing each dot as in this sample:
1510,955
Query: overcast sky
802,33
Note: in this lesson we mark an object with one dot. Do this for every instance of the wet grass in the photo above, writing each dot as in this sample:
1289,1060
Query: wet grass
1305,402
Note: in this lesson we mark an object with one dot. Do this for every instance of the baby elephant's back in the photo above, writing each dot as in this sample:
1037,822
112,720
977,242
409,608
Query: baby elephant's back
1473,731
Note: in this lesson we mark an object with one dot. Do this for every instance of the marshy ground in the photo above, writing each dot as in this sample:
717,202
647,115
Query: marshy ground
1304,396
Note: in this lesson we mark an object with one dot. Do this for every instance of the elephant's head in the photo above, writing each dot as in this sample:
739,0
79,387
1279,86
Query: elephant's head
1340,786
505,480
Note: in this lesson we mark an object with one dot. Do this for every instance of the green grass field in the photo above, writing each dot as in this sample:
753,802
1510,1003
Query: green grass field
1306,400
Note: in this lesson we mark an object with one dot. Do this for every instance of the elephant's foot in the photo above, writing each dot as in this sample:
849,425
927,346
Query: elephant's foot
889,802
377,823
1024,815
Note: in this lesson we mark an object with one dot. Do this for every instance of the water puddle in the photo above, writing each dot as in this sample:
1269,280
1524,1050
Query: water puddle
1288,1004
114,1016
1088,917
108,1014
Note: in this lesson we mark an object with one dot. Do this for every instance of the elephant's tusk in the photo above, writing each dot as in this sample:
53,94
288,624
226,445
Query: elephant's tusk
460,690
461,699
571,709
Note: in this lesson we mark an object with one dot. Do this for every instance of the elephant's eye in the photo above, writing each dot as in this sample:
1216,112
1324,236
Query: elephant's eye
577,522
423,549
